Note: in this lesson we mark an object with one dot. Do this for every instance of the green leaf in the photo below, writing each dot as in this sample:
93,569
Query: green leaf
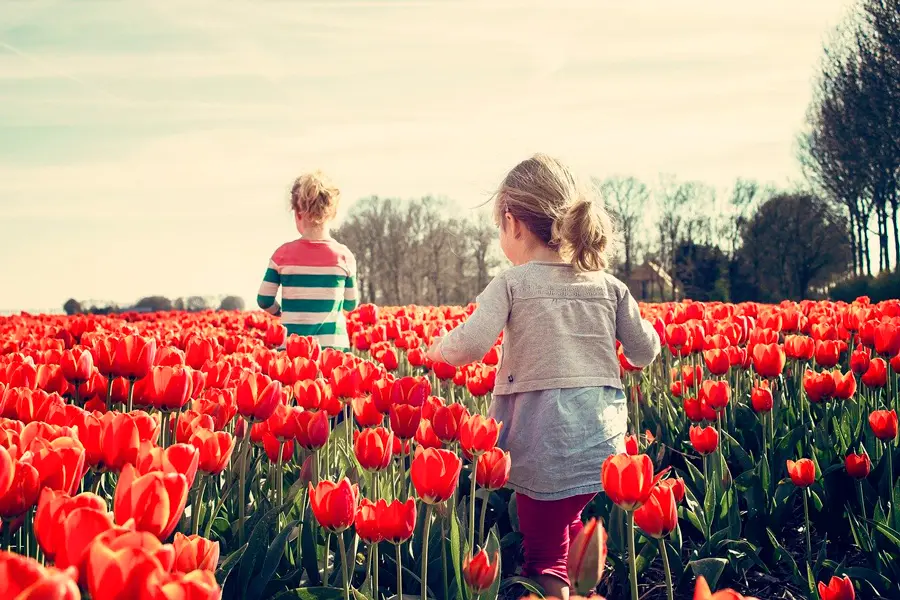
456,559
236,587
310,593
493,550
783,554
710,568
879,581
892,535
270,564
646,555
228,564
309,555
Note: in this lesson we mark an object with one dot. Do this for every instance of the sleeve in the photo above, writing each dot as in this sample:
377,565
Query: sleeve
265,298
351,294
473,338
640,342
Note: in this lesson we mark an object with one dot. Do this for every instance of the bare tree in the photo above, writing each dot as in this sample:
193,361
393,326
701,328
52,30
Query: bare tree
626,198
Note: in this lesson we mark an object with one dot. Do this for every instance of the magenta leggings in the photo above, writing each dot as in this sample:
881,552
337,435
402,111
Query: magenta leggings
548,527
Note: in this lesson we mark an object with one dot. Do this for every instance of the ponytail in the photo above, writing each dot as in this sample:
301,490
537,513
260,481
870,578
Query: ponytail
584,232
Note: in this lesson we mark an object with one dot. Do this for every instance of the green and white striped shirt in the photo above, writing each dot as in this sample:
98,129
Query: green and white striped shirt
318,282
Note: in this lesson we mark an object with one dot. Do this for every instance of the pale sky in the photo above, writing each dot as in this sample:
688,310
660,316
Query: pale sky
146,147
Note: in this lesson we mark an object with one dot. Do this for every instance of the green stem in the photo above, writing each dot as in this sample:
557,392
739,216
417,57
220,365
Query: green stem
665,559
325,559
195,508
862,499
130,394
375,568
399,573
444,555
472,508
806,524
632,568
279,476
344,571
98,479
109,384
481,537
404,490
425,544
242,483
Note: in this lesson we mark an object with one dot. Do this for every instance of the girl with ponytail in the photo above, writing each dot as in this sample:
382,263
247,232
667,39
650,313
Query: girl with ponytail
558,391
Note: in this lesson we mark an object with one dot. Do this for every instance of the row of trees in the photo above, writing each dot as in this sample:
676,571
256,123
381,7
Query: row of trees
851,148
751,243
156,304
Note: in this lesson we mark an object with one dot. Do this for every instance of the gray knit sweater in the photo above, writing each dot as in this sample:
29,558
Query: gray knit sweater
560,329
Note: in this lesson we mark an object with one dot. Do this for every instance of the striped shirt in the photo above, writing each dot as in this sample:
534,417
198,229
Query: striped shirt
318,282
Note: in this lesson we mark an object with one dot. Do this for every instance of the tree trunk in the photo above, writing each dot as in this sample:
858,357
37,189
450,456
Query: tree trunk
895,205
857,268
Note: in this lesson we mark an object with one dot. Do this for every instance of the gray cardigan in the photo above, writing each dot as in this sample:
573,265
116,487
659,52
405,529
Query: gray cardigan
560,329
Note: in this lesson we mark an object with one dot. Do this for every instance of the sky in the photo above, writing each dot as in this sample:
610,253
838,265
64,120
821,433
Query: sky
147,147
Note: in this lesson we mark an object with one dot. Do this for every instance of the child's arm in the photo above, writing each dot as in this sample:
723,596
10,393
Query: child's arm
351,295
471,340
640,342
265,298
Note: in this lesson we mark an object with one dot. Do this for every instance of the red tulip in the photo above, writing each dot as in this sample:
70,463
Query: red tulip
215,448
883,424
133,357
717,361
155,501
818,386
77,365
492,469
479,434
435,474
405,420
768,360
479,572
257,397
366,412
705,440
802,472
717,394
367,521
194,552
658,516
631,445
844,385
761,398
198,352
425,435
276,335
196,585
313,429
334,504
22,494
374,448
170,388
858,465
887,338
876,375
54,507
116,570
410,390
7,470
397,520
447,421
122,436
702,592
587,557
860,359
272,445
177,458
677,485
23,578
628,480
799,347
839,588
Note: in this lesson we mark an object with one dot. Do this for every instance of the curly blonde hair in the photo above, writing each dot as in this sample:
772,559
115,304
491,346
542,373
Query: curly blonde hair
558,209
314,196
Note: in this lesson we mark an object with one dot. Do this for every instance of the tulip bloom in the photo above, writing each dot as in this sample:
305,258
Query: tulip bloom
177,458
492,469
447,421
860,359
705,440
717,394
839,588
858,466
22,493
435,474
53,509
876,375
170,388
677,485
844,385
123,434
365,411
117,569
768,360
587,557
479,572
24,578
134,356
196,585
658,516
479,434
313,429
818,386
717,361
628,480
155,501
405,420
631,445
374,448
214,448
884,424
77,365
194,552
396,520
425,435
257,397
366,522
334,504
802,472
7,470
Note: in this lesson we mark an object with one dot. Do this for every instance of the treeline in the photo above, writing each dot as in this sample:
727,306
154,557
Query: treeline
749,243
155,304
851,147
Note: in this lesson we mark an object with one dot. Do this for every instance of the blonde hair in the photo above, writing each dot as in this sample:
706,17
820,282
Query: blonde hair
314,196
558,209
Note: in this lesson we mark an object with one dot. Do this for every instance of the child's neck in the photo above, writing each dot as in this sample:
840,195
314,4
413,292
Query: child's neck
543,254
317,233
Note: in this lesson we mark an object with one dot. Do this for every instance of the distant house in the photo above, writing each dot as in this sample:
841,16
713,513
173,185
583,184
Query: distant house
649,282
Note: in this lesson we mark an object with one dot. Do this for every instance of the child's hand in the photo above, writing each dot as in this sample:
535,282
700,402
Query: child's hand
434,352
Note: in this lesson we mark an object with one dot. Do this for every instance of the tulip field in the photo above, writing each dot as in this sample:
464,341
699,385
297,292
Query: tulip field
186,456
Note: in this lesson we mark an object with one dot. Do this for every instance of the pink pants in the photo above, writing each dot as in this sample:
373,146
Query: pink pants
548,527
